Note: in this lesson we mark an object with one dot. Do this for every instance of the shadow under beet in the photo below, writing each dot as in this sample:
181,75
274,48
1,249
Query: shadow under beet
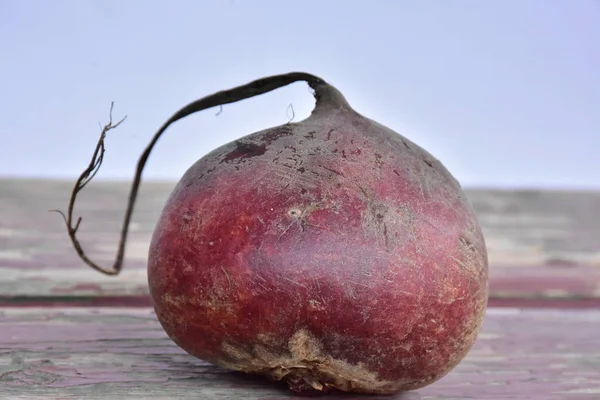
204,375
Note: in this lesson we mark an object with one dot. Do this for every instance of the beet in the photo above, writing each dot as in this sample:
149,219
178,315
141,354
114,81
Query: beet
331,253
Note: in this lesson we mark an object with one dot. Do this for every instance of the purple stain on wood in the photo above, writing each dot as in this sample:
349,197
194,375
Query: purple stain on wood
542,281
545,303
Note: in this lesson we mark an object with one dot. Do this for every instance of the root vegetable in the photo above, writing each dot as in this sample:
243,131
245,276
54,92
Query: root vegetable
331,253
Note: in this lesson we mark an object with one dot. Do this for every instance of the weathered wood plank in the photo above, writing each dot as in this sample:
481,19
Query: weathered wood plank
541,244
104,353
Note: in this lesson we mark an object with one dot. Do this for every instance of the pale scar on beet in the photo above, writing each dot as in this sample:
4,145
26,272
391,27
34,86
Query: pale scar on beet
331,253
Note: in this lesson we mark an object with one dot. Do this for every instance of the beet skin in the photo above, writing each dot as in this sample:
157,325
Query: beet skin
332,253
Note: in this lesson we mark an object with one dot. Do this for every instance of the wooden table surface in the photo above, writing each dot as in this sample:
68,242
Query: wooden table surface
115,353
67,332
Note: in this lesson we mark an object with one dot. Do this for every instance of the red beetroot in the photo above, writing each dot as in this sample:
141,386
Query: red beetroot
332,253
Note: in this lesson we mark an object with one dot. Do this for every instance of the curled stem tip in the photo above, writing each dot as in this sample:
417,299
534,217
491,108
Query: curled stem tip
254,88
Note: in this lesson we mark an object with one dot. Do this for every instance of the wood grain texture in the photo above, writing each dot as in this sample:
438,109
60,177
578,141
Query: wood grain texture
104,353
542,244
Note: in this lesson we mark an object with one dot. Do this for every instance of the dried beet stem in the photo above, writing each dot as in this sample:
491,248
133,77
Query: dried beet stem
324,94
